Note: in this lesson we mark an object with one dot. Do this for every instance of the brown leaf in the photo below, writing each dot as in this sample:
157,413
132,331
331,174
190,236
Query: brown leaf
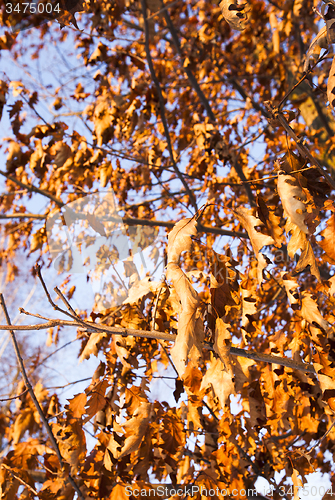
291,287
271,221
220,380
250,222
180,238
136,428
297,484
92,345
76,405
235,14
331,85
97,399
142,289
318,43
258,240
222,288
222,343
292,197
328,242
188,345
310,312
298,241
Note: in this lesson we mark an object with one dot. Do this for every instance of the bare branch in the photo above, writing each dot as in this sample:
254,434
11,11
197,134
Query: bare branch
34,399
303,149
162,107
33,189
187,70
96,327
19,479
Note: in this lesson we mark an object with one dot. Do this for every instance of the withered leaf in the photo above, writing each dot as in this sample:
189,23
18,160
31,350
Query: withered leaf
220,380
180,238
136,428
92,345
318,43
292,197
235,13
328,242
188,345
331,85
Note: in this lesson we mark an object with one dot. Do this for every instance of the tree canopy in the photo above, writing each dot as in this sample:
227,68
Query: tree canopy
180,155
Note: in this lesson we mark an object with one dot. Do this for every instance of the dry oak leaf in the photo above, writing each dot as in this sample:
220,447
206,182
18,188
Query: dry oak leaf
298,241
318,43
119,492
72,443
297,484
250,222
331,85
310,312
188,344
97,400
258,240
220,380
141,289
331,290
328,242
291,287
235,14
179,239
136,428
222,343
292,197
76,405
92,345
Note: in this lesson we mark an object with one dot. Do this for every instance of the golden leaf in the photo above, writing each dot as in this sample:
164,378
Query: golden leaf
328,242
220,379
179,239
292,198
188,345
235,14
92,345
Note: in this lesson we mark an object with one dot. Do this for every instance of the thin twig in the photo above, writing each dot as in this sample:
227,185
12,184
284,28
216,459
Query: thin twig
34,399
321,438
96,327
303,150
186,68
22,215
32,188
67,304
155,309
14,397
162,107
282,102
19,479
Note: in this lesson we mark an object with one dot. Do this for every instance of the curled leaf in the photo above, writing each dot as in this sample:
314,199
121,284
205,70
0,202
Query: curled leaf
235,14
331,85
318,43
180,238
292,197
188,345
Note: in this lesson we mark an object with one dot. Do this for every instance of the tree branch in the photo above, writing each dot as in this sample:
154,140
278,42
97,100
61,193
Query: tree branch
187,70
303,149
162,107
133,221
32,188
96,327
34,399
